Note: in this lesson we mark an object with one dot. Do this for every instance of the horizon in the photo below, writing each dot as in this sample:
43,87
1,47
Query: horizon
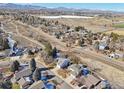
119,7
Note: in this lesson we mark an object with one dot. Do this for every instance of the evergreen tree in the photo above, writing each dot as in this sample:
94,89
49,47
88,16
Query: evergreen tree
32,65
4,43
14,66
96,45
7,84
37,74
114,37
17,63
54,51
68,27
79,28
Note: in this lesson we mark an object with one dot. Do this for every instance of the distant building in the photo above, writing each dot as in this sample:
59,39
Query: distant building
115,55
102,45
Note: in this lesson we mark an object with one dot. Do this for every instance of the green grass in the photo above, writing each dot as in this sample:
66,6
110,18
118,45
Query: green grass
119,25
5,59
15,86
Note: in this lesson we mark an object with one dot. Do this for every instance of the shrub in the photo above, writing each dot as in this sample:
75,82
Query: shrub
48,48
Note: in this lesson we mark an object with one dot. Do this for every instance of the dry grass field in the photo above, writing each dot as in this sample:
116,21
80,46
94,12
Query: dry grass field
94,24
116,31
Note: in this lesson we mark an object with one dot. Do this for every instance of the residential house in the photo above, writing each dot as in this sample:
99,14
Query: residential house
71,30
44,75
85,82
15,58
64,86
102,45
20,74
76,42
58,54
100,86
75,70
50,85
85,71
91,81
116,55
104,84
80,82
83,32
63,63
23,65
62,38
24,82
37,85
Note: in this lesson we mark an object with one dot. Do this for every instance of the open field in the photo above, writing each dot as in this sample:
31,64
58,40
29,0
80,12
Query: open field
94,24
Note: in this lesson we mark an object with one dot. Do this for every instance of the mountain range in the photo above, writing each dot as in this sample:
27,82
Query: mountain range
28,6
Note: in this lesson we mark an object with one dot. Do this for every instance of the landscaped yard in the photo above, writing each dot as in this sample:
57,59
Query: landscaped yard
15,86
119,59
119,25
63,73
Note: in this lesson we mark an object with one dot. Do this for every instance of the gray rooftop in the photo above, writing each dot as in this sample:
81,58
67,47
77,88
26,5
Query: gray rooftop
62,60
75,69
22,73
91,80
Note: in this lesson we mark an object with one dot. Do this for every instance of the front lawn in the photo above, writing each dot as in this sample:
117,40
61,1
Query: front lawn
15,86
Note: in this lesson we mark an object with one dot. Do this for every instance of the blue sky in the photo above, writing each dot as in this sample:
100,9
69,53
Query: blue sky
99,6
